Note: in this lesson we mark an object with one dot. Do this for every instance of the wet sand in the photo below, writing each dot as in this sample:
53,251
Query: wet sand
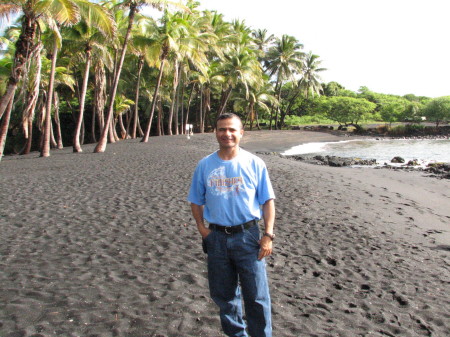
105,245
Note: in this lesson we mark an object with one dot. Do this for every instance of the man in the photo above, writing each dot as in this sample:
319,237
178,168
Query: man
228,188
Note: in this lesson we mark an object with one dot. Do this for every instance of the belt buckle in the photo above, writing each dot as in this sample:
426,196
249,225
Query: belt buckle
228,230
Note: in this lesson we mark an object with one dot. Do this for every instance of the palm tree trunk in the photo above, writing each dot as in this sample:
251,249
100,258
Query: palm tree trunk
136,100
160,118
139,129
257,120
53,143
174,93
200,111
29,139
181,106
59,142
93,136
112,132
101,146
225,97
177,104
24,46
4,126
186,119
6,98
155,95
45,151
32,99
123,131
99,95
206,107
76,136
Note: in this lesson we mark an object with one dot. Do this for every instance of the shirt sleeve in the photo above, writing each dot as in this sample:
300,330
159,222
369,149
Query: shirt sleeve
197,190
264,190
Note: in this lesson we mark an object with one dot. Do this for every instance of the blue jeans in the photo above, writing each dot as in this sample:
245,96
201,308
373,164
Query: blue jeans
233,267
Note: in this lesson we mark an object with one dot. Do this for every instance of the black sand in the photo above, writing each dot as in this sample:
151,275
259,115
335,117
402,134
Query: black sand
104,245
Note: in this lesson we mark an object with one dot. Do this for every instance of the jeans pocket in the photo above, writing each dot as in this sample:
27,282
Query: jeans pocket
253,234
205,243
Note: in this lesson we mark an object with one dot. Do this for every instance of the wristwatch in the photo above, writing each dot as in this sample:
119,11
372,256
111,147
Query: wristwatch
271,236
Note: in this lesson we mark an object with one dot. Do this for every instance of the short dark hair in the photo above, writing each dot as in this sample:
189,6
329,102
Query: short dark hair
228,115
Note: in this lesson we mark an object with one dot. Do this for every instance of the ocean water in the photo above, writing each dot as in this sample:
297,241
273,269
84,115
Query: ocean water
424,150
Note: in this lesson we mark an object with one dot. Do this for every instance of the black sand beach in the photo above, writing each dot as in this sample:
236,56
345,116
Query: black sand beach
104,245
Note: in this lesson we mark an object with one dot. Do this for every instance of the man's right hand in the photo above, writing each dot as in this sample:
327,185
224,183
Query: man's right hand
204,232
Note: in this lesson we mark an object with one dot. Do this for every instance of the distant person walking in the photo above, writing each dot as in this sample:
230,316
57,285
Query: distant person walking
228,188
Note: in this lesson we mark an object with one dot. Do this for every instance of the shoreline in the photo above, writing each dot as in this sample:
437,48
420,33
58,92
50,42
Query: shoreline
105,244
272,146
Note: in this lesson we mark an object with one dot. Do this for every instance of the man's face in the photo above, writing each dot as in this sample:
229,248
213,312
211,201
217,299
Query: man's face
229,133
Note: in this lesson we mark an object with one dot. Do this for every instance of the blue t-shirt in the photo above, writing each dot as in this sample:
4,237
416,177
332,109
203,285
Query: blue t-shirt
231,190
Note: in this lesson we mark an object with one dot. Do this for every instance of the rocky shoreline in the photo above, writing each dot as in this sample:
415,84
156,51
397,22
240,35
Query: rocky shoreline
437,170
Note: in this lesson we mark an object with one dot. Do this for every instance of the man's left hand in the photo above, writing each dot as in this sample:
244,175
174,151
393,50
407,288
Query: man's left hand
266,247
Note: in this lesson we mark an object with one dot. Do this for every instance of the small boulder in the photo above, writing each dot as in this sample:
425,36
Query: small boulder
398,160
413,162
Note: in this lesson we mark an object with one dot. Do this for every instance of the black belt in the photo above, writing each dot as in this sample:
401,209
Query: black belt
233,229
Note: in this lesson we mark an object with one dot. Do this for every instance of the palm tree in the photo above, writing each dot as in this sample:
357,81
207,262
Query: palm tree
173,27
133,7
284,61
262,41
92,33
259,98
240,64
121,106
310,83
98,17
59,11
194,44
61,78
142,46
32,97
55,46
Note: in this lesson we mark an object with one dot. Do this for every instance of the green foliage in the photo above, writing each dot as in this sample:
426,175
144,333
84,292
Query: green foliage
347,110
332,89
392,112
438,110
305,120
413,112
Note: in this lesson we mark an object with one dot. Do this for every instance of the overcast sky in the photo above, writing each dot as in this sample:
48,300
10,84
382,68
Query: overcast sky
391,46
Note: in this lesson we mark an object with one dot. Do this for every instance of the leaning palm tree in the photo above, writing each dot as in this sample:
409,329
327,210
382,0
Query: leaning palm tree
34,12
133,7
284,61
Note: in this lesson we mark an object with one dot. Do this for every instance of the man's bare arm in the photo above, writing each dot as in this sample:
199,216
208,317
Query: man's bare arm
197,213
269,220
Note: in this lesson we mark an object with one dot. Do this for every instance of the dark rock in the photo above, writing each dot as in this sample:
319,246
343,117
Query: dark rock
397,159
320,158
413,162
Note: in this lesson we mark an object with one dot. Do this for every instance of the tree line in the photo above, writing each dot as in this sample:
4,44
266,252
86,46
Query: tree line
76,71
